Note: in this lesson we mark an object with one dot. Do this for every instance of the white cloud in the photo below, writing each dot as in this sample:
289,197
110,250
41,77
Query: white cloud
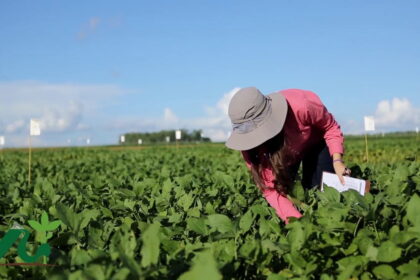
169,117
74,111
82,126
397,114
69,111
59,107
218,135
69,118
19,140
30,95
351,127
15,126
215,124
222,105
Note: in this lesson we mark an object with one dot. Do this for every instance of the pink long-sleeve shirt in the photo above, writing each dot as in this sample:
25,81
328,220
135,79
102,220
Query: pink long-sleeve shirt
307,123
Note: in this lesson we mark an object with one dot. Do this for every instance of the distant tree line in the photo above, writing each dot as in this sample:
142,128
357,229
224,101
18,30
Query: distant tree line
379,134
133,138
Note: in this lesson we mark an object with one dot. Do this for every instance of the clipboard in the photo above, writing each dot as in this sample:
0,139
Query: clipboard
332,180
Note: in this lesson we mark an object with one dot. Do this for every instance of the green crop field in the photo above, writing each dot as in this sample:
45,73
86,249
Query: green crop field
194,213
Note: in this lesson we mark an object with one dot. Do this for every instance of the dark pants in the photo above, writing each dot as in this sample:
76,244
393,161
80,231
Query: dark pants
315,161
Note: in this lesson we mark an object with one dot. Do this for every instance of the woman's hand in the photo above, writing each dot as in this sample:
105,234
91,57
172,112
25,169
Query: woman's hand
340,168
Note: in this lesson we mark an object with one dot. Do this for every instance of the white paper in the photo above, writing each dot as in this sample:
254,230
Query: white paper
122,138
332,180
35,128
140,141
168,139
178,135
369,123
2,141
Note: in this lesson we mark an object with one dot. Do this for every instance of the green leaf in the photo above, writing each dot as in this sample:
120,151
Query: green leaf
150,248
94,271
265,228
35,225
66,215
209,208
132,265
197,225
372,253
248,247
350,250
53,225
351,266
122,246
175,218
259,210
121,274
246,221
167,187
274,225
298,191
44,219
411,268
413,210
364,244
76,275
384,271
329,194
274,276
388,252
296,236
48,236
86,216
194,212
204,268
220,222
403,237
79,257
296,259
186,201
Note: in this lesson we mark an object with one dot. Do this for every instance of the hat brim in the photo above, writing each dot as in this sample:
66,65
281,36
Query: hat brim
271,126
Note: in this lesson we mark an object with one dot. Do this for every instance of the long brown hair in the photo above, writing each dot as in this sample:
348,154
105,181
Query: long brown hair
273,154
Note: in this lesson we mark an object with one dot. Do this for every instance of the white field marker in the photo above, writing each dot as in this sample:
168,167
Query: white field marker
2,143
178,135
34,130
369,123
369,126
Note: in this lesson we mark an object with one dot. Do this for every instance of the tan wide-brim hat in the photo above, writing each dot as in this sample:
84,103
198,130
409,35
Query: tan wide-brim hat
255,118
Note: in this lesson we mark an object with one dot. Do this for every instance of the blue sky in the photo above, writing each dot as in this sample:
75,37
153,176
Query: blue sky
96,69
